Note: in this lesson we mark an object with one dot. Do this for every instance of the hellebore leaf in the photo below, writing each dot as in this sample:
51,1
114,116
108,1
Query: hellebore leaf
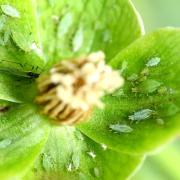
69,154
150,104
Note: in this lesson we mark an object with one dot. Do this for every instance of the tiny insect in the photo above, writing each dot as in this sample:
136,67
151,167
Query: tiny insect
141,115
32,75
120,128
153,62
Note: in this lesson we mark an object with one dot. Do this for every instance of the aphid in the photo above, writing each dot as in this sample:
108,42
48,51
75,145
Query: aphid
10,11
119,92
75,161
135,90
145,72
160,121
150,86
3,20
124,66
120,128
96,172
78,39
4,143
133,77
162,90
141,115
153,62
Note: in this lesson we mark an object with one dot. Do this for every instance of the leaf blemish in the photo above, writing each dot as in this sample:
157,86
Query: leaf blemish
120,128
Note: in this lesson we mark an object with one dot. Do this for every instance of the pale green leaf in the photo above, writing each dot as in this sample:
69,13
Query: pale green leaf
150,105
69,154
69,28
23,134
16,88
20,43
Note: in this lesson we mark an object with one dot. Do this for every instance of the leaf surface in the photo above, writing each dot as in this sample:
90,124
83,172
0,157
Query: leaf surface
16,88
20,43
69,154
149,103
69,29
23,134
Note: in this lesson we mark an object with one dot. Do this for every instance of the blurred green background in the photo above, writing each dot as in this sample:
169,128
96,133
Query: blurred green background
165,165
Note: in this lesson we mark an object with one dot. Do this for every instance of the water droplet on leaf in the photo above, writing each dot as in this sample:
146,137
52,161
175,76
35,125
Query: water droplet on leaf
120,128
10,11
141,115
153,62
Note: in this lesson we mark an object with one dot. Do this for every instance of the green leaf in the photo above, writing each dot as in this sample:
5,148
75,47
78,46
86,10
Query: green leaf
69,28
162,165
150,105
16,88
20,43
23,134
69,154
